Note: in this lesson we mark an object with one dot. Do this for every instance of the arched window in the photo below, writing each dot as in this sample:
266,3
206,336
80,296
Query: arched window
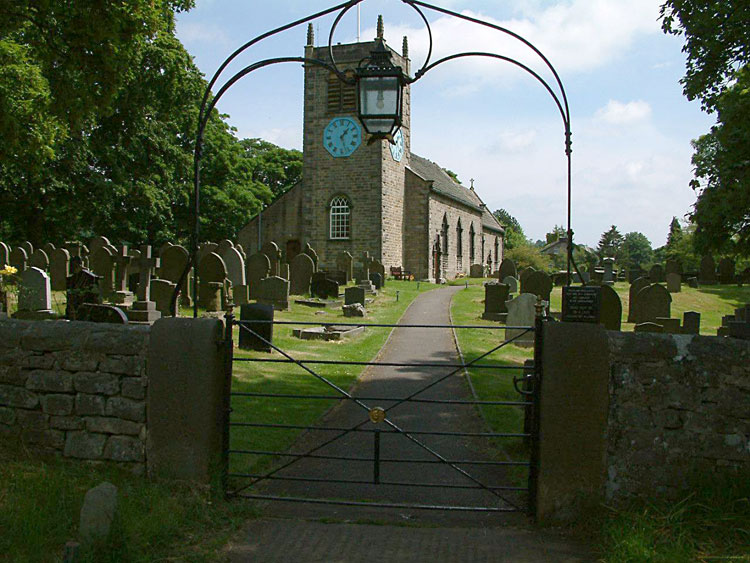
459,239
497,253
472,250
340,218
445,234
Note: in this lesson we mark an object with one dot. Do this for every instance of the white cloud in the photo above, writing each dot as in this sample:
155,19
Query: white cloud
194,32
516,141
618,113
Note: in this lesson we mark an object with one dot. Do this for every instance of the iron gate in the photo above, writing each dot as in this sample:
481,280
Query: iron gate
303,472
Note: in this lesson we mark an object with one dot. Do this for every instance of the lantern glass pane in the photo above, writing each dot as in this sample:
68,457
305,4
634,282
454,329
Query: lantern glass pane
379,96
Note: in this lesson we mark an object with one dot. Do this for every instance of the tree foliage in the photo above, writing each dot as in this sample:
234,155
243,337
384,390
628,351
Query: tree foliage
557,233
636,251
514,235
610,243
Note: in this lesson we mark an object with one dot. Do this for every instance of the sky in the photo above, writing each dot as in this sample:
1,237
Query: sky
488,120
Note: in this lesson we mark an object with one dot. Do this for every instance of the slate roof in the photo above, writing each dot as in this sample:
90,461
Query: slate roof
444,185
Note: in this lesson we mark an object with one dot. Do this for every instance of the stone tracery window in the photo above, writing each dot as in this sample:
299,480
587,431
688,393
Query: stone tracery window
472,249
445,234
340,218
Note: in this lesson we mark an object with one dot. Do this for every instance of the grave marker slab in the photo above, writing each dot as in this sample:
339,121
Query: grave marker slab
300,274
354,295
508,269
521,313
707,274
58,269
495,297
257,267
274,291
256,335
674,283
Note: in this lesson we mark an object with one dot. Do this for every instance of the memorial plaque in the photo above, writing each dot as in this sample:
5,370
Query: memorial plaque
581,304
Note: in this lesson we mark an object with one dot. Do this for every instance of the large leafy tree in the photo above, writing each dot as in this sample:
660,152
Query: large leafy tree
514,235
610,243
636,250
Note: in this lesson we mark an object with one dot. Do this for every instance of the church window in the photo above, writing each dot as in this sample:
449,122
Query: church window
340,218
341,96
497,253
445,234
459,239
472,250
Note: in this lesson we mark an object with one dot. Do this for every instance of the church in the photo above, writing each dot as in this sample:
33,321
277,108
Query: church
379,197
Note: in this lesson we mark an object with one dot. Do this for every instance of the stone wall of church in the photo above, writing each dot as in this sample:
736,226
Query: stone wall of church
453,264
416,242
280,223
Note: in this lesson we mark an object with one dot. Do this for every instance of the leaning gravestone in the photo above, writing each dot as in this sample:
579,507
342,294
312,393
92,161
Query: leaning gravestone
256,333
512,284
495,297
19,259
707,274
652,302
476,271
674,283
284,271
257,267
48,247
354,295
656,274
521,313
300,274
345,263
610,308
274,291
35,293
39,259
508,269
635,287
525,273
103,264
174,259
212,273
58,269
726,271
539,284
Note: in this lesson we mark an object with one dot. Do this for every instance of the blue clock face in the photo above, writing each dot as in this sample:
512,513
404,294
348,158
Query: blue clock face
342,136
397,148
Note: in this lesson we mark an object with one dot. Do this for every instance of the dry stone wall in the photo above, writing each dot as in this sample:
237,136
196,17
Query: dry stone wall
75,388
679,404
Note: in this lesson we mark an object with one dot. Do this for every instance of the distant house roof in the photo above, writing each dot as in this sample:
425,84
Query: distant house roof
446,186
559,246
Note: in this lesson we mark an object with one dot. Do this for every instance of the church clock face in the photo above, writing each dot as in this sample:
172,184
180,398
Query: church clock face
342,136
397,148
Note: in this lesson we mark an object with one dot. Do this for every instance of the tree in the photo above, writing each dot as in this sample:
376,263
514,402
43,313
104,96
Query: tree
557,233
452,174
635,250
610,243
529,255
683,250
675,232
514,235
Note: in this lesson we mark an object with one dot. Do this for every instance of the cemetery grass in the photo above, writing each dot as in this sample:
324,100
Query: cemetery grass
493,385
41,499
291,379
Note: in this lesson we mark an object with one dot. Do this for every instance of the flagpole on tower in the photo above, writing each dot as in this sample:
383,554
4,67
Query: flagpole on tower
359,22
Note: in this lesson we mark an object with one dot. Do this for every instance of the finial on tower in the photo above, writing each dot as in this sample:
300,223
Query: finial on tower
381,28
405,47
472,183
310,35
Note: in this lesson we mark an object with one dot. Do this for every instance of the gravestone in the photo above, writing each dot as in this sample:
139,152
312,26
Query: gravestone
300,274
19,259
354,295
508,269
271,249
212,273
656,274
256,335
161,294
583,278
339,276
669,325
521,313
345,263
223,246
236,273
691,322
48,247
284,271
651,302
103,265
610,308
635,287
274,291
82,286
74,248
581,304
512,284
377,267
674,283
174,259
376,279
324,288
134,271
707,274
495,297
58,269
648,327
35,293
539,284
206,248
122,260
608,277
28,247
726,271
241,251
525,273
673,267
312,254
39,259
4,255
143,309
162,249
693,282
476,271
257,267
96,243
91,313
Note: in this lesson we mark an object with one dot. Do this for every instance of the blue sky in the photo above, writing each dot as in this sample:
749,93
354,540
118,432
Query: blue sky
489,121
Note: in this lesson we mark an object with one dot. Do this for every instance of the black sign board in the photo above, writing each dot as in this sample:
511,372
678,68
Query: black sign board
581,304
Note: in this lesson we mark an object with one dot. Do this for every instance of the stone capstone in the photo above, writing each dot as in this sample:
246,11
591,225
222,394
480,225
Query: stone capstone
98,513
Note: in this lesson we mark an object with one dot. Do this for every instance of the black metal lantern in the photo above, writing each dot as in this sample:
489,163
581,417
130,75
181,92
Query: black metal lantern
380,86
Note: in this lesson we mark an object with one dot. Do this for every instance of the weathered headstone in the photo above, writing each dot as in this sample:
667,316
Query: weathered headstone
34,292
476,271
19,259
345,263
354,310
174,259
300,274
610,309
82,286
693,282
103,265
122,259
28,247
656,274
354,295
96,243
206,248
651,302
92,313
674,283
635,287
271,249
312,254
707,274
376,279
324,288
39,259
673,267
691,322
609,271
143,309
525,273
236,273
669,325
521,313
495,297
4,255
58,269
539,284
257,267
274,291
212,273
223,246
508,269
98,513
339,276
726,271
257,331
161,294
512,284
284,270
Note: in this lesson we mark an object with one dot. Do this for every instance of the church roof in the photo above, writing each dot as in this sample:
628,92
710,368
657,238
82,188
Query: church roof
444,185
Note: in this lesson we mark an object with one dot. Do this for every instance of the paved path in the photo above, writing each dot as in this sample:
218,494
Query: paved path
476,536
